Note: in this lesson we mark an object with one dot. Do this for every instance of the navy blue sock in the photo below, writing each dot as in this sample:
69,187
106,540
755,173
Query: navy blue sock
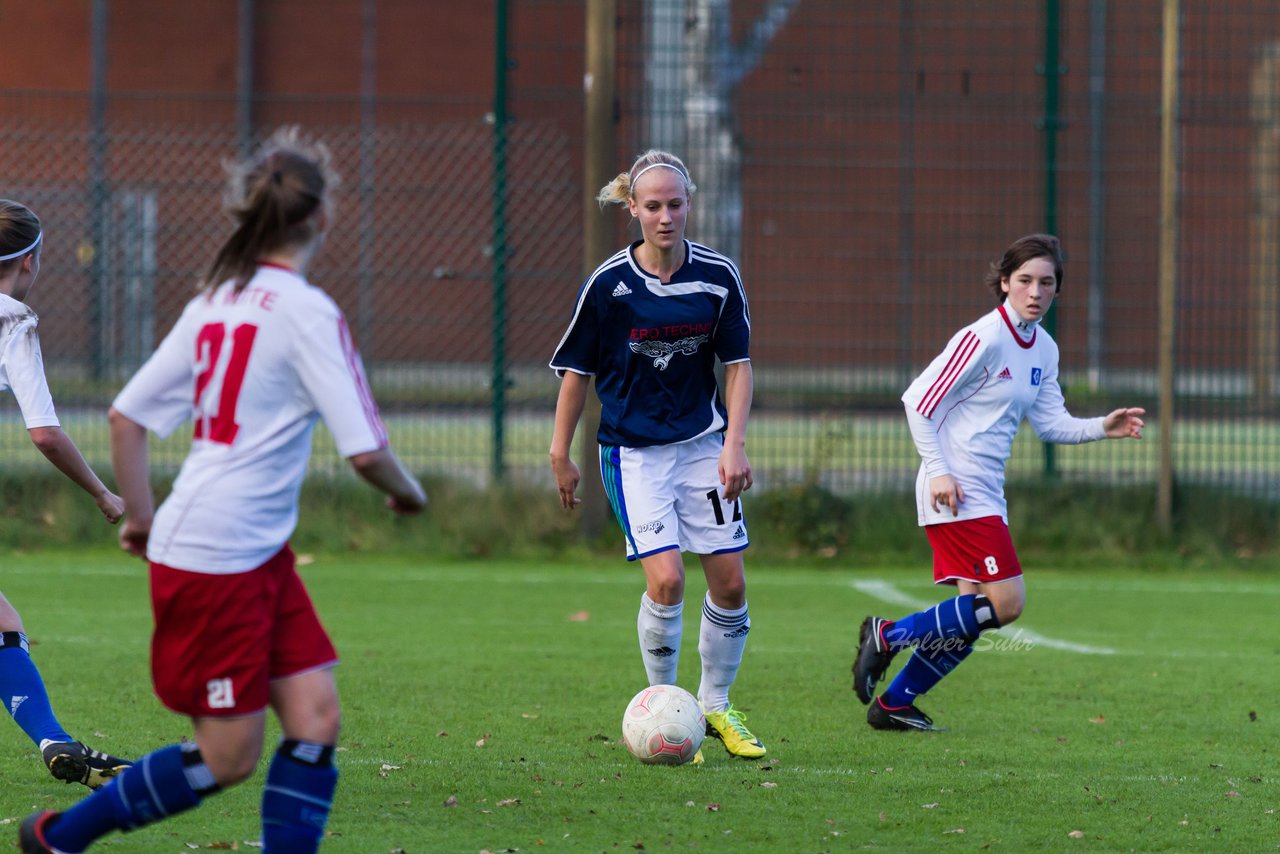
169,781
925,668
23,691
962,617
297,797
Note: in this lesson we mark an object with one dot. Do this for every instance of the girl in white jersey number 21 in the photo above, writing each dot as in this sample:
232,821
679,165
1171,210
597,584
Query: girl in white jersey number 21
964,411
255,359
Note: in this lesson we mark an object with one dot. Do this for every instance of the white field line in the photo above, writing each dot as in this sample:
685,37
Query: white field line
886,592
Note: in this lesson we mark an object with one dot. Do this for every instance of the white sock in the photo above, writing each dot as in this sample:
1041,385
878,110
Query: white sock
660,627
721,640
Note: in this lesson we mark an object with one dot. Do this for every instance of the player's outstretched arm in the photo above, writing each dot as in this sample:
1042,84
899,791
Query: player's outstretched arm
1124,423
383,469
58,448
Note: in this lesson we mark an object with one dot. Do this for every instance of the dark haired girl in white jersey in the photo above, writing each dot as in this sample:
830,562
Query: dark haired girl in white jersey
649,325
22,372
255,360
964,411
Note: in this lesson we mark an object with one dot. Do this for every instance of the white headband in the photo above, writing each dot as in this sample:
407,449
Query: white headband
677,170
22,252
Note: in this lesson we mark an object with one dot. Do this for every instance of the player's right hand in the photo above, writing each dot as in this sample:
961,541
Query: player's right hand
133,538
944,490
111,505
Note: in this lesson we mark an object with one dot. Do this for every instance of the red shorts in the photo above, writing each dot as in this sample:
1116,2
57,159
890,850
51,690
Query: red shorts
978,550
220,639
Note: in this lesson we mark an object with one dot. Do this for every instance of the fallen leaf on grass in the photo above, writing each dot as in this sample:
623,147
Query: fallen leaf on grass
385,770
768,784
579,616
509,802
955,830
451,801
1100,719
1076,834
713,808
484,739
1232,794
930,806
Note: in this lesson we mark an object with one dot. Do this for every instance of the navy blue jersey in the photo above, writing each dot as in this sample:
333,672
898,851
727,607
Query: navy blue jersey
653,347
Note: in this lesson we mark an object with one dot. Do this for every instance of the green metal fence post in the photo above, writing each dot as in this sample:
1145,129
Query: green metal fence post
499,375
1050,124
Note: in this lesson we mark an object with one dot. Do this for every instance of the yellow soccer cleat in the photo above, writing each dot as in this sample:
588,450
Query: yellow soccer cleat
730,726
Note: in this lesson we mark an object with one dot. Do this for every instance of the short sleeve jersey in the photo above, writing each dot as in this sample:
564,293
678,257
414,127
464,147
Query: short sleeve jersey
974,395
253,370
22,366
652,346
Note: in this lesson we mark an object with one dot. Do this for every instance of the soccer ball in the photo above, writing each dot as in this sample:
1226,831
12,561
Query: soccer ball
663,725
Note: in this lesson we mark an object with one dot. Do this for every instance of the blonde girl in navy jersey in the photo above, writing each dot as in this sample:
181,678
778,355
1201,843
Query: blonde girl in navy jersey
22,372
964,411
649,324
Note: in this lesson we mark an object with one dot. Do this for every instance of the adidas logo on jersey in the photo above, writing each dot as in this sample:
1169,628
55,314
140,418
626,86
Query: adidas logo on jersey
621,290
1004,375
739,534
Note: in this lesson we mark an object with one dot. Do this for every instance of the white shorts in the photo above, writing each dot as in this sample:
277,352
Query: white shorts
670,497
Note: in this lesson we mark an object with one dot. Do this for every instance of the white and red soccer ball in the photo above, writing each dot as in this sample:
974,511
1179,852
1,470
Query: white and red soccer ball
663,725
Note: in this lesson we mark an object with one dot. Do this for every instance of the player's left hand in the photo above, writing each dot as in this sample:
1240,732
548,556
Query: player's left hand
1124,423
735,472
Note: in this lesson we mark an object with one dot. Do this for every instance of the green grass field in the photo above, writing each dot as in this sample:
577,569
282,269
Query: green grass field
483,703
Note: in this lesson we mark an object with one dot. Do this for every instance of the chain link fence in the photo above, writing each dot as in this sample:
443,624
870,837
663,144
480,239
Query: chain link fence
863,162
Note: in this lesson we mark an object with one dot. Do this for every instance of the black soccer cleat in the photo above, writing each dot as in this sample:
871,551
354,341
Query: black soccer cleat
874,656
75,762
31,833
899,718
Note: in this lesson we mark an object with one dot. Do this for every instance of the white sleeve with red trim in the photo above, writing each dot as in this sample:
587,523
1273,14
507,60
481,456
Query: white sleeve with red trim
950,377
333,375
1053,423
160,395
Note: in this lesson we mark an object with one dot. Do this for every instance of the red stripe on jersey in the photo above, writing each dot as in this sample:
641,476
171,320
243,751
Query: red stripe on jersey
362,384
959,359
1025,345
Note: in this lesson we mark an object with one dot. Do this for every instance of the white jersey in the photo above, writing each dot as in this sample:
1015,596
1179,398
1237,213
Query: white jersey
21,365
965,409
253,370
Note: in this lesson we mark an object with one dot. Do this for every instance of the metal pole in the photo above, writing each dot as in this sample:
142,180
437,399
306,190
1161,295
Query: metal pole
498,379
244,79
601,127
1167,272
1050,124
906,187
102,320
365,307
1097,193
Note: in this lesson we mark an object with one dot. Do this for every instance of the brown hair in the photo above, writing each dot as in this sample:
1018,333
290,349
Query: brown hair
271,197
19,228
621,188
1021,251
